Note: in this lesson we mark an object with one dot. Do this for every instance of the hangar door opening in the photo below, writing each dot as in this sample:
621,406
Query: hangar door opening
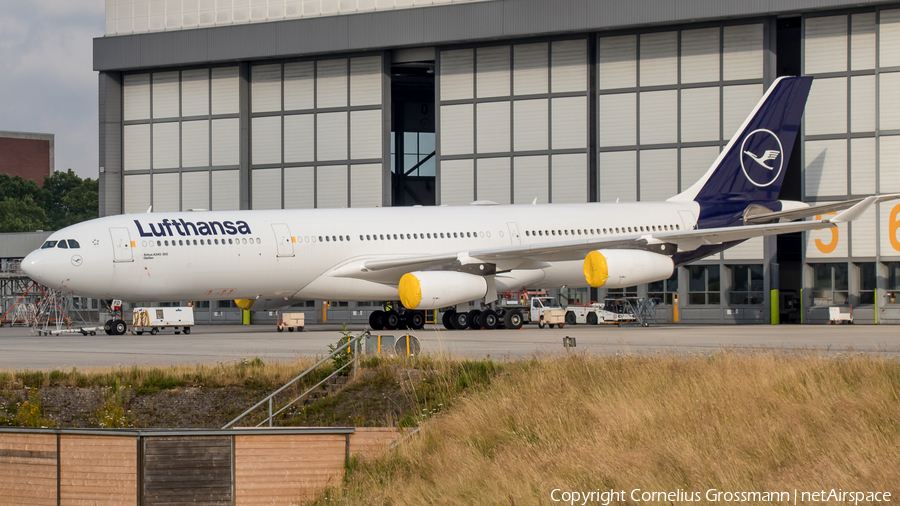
412,128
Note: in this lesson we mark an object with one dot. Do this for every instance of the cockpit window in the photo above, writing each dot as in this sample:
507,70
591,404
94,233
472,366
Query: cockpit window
62,244
73,244
49,244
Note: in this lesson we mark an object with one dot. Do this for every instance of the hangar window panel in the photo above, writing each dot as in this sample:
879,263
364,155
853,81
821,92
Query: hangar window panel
492,75
457,182
166,195
195,92
888,164
365,185
889,38
743,52
265,88
617,62
530,72
136,94
331,186
275,10
862,166
493,179
265,185
299,138
569,122
165,146
826,167
257,10
165,95
189,14
173,14
299,187
618,176
194,190
737,102
889,101
531,124
225,87
659,117
751,249
704,286
457,129
747,284
141,16
456,74
195,143
568,66
299,86
700,55
862,103
659,58
225,12
225,141
889,237
700,114
825,41
659,174
493,127
531,179
331,139
136,147
826,109
365,134
137,193
365,80
830,284
618,120
331,83
266,139
569,178
862,41
862,234
695,162
225,190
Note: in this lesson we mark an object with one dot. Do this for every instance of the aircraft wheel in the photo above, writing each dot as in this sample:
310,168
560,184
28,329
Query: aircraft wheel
375,320
447,319
489,319
591,318
460,321
391,320
570,318
119,327
108,327
416,320
475,319
512,319
154,331
187,330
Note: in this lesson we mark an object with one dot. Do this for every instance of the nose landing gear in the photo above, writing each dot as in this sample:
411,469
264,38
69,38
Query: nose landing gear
115,326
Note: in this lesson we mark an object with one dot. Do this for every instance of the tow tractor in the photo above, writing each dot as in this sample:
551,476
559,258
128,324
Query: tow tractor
596,313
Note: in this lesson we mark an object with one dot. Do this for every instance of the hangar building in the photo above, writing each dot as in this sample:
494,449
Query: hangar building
261,104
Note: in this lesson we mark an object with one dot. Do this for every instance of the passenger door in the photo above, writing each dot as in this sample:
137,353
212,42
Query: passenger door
514,233
122,247
283,239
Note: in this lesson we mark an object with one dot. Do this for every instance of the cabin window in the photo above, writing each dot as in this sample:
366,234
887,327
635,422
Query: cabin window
677,227
159,243
49,244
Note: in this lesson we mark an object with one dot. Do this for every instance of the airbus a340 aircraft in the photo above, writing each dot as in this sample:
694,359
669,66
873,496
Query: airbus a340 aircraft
438,257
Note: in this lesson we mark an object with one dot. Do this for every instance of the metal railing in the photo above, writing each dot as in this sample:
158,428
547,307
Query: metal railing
341,348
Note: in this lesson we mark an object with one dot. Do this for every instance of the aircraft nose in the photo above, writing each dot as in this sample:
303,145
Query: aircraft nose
34,265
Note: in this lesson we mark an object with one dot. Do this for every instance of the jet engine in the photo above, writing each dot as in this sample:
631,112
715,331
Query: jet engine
618,268
437,289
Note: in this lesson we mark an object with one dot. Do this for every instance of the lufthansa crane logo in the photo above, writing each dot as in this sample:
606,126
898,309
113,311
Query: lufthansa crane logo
761,157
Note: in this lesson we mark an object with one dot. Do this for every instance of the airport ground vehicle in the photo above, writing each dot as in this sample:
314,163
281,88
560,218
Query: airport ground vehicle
835,316
153,319
596,313
291,321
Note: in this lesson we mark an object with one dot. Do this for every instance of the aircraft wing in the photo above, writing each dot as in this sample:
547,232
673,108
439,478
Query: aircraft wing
513,256
805,212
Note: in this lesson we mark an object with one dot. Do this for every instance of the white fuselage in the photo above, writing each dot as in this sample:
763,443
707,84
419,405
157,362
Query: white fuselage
281,255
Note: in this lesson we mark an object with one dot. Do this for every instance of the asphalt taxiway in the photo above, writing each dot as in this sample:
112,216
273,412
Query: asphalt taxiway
218,343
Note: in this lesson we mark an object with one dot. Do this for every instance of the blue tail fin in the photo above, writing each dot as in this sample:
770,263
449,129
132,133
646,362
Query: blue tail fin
751,167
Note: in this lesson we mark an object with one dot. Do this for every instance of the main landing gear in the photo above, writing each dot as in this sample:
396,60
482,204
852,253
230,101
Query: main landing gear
486,319
393,320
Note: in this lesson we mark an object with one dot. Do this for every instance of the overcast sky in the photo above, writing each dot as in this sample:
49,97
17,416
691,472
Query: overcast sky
46,75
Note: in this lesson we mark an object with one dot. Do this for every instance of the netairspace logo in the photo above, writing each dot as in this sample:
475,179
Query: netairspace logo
607,497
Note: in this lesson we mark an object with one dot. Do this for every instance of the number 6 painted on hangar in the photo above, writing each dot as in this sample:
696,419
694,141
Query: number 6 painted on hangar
893,225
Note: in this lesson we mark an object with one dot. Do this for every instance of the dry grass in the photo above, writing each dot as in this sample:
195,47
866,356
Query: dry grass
253,373
729,421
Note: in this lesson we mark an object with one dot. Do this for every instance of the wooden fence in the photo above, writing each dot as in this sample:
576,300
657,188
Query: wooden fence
149,467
